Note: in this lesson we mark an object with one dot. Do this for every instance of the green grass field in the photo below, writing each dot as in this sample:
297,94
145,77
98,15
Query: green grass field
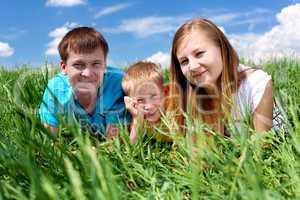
78,166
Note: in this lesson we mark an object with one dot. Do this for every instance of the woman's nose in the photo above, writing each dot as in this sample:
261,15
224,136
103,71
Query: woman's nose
193,64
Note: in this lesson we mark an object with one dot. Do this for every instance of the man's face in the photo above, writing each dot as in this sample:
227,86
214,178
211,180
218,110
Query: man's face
85,71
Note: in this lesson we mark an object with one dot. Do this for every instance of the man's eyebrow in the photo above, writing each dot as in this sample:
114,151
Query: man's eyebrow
98,60
78,61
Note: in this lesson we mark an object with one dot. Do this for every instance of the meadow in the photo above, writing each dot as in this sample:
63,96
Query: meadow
35,164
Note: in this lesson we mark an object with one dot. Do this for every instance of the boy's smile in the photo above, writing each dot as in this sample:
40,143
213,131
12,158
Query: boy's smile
149,98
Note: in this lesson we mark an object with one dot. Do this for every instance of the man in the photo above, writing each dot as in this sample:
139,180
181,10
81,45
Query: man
86,89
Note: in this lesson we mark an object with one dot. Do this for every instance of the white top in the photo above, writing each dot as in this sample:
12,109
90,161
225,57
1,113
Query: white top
250,92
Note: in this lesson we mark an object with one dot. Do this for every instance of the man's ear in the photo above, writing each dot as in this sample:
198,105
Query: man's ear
63,66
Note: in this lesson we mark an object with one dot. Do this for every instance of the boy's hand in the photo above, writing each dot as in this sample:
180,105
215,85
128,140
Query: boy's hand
133,135
131,105
138,117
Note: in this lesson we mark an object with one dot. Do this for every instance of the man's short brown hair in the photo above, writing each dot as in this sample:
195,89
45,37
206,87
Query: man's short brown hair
81,40
139,73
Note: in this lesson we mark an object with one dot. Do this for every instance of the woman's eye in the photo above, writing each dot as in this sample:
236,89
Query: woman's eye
199,53
183,62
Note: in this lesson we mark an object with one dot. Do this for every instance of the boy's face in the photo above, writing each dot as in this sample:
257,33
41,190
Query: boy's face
150,100
85,71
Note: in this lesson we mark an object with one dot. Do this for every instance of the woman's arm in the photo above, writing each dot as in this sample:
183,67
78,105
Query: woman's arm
262,115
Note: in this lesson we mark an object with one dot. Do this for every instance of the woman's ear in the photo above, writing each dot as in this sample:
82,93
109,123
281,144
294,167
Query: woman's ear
166,89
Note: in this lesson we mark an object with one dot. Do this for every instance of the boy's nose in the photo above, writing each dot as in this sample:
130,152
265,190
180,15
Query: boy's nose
148,107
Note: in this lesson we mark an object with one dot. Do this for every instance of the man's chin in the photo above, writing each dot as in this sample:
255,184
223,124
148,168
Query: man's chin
85,91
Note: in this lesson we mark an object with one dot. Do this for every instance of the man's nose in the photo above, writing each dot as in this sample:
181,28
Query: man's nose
86,72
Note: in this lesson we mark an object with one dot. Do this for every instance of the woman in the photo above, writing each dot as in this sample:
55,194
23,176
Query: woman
208,82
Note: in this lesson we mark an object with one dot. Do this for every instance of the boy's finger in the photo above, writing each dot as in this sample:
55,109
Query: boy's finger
127,99
128,102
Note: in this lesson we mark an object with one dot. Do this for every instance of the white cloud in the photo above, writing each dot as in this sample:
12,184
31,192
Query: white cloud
57,35
144,27
112,9
225,17
64,3
5,50
161,58
229,18
250,18
13,34
282,40
147,26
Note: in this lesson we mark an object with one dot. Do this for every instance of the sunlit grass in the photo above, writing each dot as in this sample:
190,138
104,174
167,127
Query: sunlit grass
35,164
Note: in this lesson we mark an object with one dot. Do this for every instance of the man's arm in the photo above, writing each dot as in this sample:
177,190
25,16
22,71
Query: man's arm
112,132
52,128
49,108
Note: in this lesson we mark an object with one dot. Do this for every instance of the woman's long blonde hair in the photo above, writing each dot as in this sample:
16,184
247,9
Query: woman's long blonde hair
182,94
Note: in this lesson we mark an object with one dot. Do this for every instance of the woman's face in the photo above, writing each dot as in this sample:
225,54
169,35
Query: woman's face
200,59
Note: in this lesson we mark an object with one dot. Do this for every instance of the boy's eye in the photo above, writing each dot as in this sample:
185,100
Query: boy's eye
140,100
154,97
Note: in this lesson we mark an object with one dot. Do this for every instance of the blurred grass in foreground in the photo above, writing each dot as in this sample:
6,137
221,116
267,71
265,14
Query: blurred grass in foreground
35,164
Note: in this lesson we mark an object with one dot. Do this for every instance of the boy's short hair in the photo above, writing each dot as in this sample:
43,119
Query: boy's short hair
81,40
139,73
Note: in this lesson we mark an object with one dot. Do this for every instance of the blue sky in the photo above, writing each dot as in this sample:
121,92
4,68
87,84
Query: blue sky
137,30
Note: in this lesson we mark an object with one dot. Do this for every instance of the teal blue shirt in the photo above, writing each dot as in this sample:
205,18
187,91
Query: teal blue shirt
59,103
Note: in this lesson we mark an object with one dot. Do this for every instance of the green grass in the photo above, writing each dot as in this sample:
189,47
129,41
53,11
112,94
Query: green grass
35,164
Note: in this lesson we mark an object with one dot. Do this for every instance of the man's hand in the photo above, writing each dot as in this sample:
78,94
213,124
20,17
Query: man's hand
52,128
112,132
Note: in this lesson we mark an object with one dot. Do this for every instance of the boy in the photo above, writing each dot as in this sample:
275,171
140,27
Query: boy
145,93
86,88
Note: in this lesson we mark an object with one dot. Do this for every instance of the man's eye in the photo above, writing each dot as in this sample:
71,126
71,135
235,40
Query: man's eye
97,65
78,66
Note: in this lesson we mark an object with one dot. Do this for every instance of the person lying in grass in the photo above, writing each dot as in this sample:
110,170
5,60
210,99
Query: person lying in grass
86,88
145,92
211,85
